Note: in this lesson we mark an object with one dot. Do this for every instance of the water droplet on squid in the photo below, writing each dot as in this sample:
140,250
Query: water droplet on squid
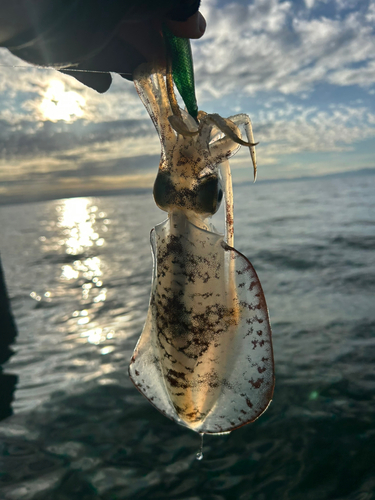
199,455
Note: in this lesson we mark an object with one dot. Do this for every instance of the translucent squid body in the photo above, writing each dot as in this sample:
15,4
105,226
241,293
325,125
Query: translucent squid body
204,358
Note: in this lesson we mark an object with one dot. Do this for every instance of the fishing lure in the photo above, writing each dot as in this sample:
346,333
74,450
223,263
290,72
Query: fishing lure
180,68
204,358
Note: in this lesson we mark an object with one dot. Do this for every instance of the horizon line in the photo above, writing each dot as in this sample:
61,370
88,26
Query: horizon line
92,193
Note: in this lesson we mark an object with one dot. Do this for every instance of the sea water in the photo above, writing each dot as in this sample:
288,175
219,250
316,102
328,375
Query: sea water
79,274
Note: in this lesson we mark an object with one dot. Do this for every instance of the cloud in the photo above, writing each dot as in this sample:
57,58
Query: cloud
113,146
310,129
310,3
23,88
48,177
269,55
291,136
354,76
274,45
26,138
25,191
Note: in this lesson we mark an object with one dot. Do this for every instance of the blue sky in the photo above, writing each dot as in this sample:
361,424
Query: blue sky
303,70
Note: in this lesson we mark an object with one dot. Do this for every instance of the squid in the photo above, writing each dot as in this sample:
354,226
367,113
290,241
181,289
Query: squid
204,358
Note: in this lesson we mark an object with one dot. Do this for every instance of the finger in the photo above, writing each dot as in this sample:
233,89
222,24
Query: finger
194,27
146,38
97,81
117,57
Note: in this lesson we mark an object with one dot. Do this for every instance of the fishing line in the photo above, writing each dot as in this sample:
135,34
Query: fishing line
63,69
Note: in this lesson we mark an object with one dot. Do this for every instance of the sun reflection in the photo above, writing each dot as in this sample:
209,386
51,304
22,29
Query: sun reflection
68,273
78,223
107,349
99,335
61,104
35,296
78,219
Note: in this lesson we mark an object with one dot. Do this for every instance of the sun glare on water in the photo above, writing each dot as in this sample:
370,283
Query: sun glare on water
61,104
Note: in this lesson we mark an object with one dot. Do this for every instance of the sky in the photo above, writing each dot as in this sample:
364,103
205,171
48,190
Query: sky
303,70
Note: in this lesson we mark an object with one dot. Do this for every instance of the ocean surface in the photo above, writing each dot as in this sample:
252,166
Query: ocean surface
79,274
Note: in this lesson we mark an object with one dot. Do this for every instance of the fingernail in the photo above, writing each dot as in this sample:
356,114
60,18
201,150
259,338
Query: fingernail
201,24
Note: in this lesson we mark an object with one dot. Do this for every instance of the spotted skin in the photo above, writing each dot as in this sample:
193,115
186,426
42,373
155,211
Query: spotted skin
205,355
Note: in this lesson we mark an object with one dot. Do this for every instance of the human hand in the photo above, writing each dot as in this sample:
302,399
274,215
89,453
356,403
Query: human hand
89,44
133,44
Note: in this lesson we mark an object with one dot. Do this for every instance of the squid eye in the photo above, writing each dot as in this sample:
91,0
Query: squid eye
163,191
209,195
219,197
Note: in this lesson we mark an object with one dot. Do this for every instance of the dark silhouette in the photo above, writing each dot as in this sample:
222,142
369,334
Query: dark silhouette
8,333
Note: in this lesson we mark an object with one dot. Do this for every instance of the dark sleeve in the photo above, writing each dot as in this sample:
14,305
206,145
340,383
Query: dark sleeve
72,31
